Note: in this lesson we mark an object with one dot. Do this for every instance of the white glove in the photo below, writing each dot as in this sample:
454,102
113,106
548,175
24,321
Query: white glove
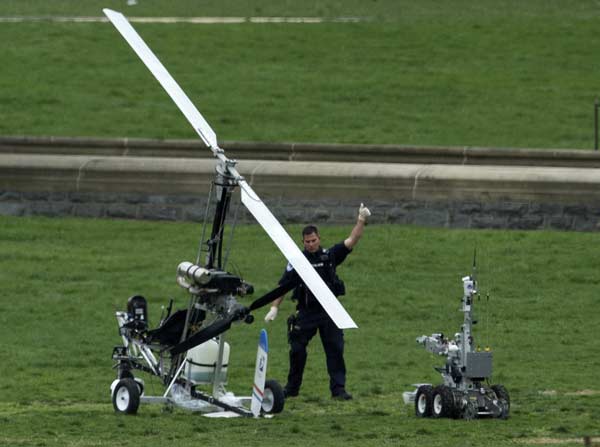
363,213
272,314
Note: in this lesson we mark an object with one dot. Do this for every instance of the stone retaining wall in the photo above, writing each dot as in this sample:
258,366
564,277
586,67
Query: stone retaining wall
176,188
449,214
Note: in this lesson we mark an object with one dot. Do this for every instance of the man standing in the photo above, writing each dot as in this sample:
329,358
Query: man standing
310,315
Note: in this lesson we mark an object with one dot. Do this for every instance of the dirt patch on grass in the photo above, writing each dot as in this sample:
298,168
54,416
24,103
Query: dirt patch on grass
570,393
595,442
583,393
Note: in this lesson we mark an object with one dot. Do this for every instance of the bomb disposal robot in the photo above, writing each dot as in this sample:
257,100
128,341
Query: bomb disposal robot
466,392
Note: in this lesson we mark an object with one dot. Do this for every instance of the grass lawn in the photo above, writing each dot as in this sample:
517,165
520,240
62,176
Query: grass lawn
502,74
63,279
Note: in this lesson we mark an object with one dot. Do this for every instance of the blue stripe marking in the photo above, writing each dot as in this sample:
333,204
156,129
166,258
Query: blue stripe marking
263,343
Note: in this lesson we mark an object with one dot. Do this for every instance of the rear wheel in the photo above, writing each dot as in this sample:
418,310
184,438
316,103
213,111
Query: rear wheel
273,399
503,400
424,401
443,402
126,396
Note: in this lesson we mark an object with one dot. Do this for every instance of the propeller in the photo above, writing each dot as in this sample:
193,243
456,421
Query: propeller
222,325
249,198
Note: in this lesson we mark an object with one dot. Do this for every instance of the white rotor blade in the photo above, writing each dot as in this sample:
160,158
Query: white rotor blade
162,75
293,254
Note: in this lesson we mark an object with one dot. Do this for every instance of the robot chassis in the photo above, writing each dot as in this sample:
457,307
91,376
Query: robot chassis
465,392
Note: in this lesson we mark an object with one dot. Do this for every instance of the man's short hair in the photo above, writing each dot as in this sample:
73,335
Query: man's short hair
310,229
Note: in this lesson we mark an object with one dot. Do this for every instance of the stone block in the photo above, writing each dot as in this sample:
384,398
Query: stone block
81,197
397,215
193,213
469,208
50,209
191,200
293,216
531,222
559,222
575,210
88,210
12,209
121,211
547,209
8,196
429,217
34,196
159,212
458,219
320,215
488,221
586,223
134,198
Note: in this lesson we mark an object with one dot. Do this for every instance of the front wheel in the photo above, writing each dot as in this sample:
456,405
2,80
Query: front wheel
126,396
424,401
273,399
443,402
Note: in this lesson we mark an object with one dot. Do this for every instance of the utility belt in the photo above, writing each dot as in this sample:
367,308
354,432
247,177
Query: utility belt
306,299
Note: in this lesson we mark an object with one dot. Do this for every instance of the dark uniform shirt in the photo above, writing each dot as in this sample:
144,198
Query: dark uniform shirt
324,261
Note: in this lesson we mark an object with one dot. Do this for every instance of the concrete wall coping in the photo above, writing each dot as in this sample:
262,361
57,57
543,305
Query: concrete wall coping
131,147
170,176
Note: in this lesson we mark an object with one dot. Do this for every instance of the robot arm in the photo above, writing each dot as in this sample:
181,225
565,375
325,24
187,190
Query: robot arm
436,343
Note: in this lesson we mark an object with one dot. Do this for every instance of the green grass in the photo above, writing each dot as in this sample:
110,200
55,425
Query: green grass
61,281
382,10
504,74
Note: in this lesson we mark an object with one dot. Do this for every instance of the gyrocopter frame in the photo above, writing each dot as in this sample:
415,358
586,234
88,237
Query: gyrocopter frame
169,350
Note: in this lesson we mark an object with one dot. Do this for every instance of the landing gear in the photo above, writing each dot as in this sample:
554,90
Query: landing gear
273,399
126,396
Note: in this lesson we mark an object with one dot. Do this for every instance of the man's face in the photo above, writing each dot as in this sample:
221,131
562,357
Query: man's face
312,242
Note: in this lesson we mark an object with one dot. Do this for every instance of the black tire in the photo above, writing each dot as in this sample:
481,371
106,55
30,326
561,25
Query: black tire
125,374
503,398
126,396
273,399
140,383
443,402
424,401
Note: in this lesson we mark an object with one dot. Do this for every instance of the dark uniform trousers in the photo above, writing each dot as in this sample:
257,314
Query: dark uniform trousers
300,332
310,317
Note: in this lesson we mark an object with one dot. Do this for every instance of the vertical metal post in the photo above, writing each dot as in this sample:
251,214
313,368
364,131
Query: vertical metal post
596,105
217,382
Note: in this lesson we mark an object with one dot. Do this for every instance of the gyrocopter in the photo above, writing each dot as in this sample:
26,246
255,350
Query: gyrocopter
187,350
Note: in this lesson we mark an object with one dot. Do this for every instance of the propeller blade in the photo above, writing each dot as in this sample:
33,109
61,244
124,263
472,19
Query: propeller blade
261,213
267,298
293,254
203,335
164,78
